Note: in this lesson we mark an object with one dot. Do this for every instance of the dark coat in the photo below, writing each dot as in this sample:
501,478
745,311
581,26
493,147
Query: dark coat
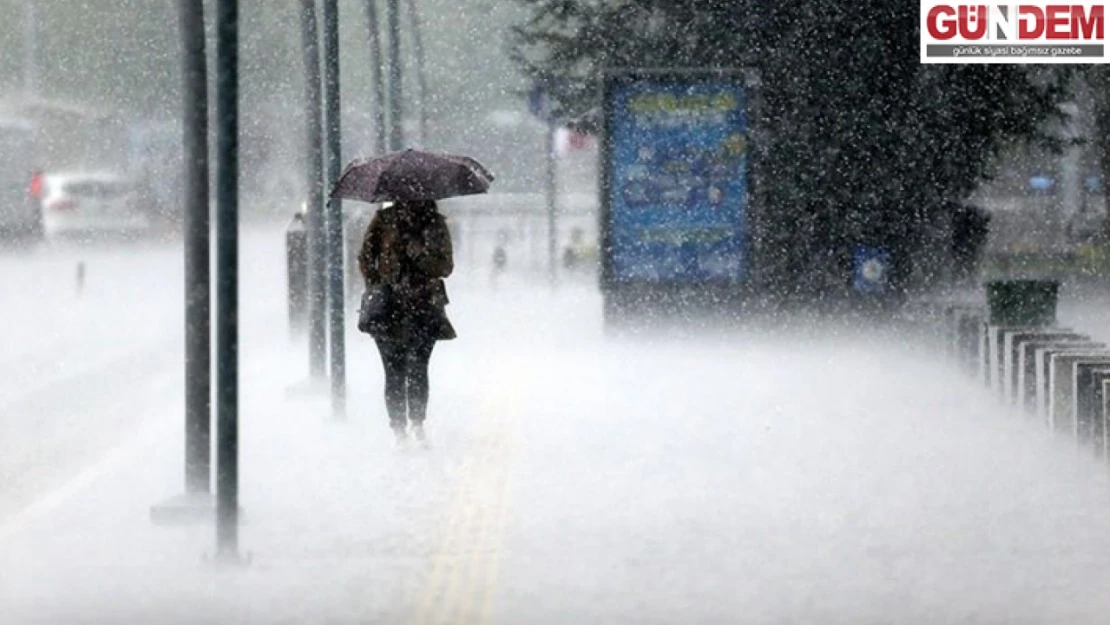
409,248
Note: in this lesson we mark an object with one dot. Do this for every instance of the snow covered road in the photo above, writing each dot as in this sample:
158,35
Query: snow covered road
752,476
79,368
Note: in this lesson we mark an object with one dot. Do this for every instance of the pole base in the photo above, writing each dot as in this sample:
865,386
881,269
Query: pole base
227,560
308,388
184,509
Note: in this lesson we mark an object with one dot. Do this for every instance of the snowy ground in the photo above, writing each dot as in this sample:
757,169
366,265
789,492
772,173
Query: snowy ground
751,476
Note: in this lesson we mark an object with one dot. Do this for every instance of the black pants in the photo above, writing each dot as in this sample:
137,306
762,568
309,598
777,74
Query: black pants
406,379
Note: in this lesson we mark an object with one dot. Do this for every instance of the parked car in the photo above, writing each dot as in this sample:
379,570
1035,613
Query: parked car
19,217
92,204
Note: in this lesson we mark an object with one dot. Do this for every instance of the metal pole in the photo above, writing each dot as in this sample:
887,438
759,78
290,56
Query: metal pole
227,279
550,191
377,75
317,312
421,77
336,295
198,288
30,47
1069,164
393,26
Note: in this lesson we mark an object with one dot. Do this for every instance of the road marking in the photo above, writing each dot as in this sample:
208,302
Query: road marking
443,585
461,586
477,546
442,590
453,608
140,439
54,499
492,581
88,369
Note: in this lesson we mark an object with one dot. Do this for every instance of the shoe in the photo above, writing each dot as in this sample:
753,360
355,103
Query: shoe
419,435
400,438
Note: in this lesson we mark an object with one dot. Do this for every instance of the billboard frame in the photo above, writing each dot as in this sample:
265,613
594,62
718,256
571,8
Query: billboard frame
619,293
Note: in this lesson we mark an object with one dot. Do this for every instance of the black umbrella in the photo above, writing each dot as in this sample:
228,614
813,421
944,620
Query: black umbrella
412,175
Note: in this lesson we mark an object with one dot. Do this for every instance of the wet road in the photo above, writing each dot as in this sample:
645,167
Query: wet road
837,475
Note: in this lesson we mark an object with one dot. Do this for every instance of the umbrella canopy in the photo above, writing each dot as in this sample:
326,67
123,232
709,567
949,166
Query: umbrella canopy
412,175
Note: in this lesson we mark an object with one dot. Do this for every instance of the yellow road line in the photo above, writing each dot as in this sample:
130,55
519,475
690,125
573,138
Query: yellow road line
463,549
463,579
445,571
499,511
473,598
442,585
500,523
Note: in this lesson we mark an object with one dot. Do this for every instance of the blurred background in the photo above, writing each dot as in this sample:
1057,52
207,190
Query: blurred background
104,89
781,467
94,88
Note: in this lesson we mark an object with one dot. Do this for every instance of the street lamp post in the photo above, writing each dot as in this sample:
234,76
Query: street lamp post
334,213
227,280
550,188
421,75
317,312
30,47
198,288
376,75
393,27
197,502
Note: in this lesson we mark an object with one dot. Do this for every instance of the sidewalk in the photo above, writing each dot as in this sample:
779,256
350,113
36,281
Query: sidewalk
340,527
743,478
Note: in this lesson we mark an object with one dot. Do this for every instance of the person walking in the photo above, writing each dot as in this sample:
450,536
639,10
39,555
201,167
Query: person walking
407,246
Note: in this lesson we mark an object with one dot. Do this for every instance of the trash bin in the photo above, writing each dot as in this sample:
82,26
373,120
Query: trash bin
1023,302
296,263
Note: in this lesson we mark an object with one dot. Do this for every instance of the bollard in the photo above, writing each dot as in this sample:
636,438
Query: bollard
1045,376
995,360
983,353
1104,408
1012,356
500,259
1089,378
1030,371
296,255
500,252
500,256
935,321
80,278
1062,372
942,329
1002,349
949,332
968,324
